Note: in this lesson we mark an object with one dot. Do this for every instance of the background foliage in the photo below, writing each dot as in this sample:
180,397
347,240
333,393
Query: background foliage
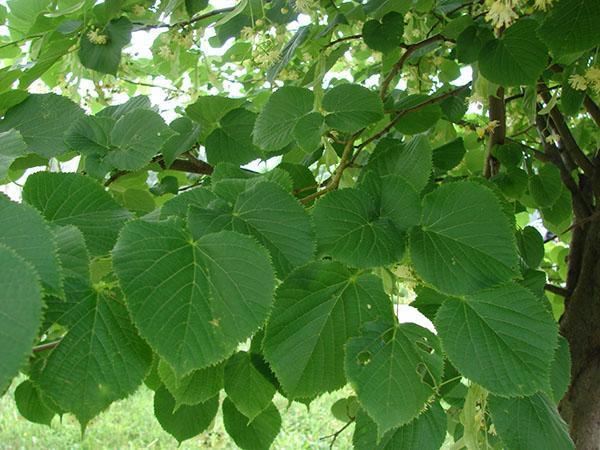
230,201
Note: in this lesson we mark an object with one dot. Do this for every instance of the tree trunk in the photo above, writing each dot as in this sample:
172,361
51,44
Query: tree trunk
580,325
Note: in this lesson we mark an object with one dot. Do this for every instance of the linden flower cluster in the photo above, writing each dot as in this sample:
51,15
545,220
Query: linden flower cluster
96,38
306,6
591,78
481,131
502,13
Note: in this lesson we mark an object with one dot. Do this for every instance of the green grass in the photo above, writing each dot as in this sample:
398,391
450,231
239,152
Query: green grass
130,424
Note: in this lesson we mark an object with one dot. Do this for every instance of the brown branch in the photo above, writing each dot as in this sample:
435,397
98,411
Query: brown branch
185,23
563,292
403,112
592,109
581,208
337,433
567,138
334,182
497,113
397,68
343,39
46,346
191,165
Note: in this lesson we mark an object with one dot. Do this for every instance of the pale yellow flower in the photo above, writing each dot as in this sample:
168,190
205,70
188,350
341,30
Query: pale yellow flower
501,14
542,4
247,33
138,10
592,75
96,38
306,6
166,53
578,82
553,138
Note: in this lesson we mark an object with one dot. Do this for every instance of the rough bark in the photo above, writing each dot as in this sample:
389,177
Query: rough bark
580,325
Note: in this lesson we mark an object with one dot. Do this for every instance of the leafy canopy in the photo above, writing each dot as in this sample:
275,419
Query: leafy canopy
231,208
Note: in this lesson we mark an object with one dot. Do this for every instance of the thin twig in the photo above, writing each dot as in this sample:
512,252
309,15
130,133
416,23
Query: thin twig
142,83
385,130
343,39
46,346
185,23
397,68
556,290
337,433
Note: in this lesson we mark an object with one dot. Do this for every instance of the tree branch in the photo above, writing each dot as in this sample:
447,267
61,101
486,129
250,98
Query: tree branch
397,68
343,39
592,109
334,182
403,112
497,113
563,292
46,346
191,165
567,138
184,23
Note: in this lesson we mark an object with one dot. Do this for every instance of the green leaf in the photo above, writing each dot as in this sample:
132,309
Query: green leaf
31,405
531,246
90,135
510,154
418,121
72,253
529,422
178,206
345,409
20,311
428,301
517,58
289,51
274,127
470,42
410,159
390,369
308,131
186,421
464,243
186,137
351,107
138,136
560,372
367,227
196,387
246,387
449,155
194,301
386,35
546,186
379,8
577,21
118,111
209,109
101,359
426,432
273,216
501,338
12,146
25,232
105,58
72,199
317,308
41,120
256,435
232,141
